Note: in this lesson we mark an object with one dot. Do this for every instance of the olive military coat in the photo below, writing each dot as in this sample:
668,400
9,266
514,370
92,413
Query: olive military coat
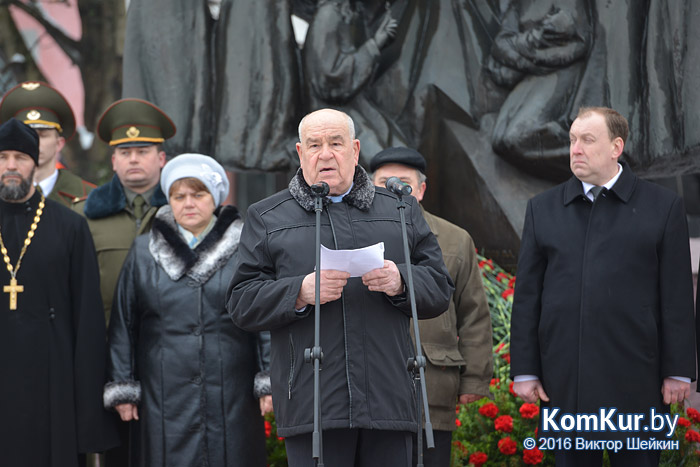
114,228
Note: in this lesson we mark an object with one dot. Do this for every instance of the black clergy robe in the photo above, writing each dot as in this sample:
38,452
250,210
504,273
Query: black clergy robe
52,347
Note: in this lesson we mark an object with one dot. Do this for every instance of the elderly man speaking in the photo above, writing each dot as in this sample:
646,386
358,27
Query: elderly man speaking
368,399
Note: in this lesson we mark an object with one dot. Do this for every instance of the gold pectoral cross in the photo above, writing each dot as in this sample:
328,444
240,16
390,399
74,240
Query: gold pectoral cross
13,289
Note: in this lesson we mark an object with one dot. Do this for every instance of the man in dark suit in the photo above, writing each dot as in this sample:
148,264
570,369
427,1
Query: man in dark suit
603,308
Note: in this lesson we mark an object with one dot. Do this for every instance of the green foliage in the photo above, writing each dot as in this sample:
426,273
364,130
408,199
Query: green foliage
276,453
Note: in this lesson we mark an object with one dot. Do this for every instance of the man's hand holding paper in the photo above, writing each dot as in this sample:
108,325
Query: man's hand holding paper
386,279
332,283
337,266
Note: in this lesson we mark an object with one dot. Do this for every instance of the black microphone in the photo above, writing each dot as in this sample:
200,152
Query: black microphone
396,186
320,189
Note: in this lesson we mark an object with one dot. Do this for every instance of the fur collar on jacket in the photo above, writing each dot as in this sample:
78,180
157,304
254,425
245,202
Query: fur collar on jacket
177,259
361,195
110,199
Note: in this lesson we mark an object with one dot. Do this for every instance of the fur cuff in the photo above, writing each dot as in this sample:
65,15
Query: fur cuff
262,385
121,392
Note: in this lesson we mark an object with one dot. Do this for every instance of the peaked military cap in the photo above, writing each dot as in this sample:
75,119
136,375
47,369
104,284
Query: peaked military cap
40,106
134,122
403,156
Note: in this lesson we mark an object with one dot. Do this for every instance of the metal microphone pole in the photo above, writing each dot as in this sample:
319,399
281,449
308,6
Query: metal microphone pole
418,362
315,354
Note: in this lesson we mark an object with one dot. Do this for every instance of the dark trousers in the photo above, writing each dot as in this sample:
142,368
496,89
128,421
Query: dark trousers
353,448
622,458
438,456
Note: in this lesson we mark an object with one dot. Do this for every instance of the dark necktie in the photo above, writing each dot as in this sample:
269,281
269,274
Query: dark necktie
595,191
138,206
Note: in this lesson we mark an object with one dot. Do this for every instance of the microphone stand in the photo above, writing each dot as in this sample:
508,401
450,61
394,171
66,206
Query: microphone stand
315,354
418,363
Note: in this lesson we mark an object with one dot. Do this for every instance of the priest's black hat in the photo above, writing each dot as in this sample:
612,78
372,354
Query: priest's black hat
17,136
404,156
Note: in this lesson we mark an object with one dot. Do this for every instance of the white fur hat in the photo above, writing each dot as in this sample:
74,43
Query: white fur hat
198,166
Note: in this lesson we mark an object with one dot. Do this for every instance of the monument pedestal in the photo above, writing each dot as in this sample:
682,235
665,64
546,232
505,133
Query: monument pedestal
477,189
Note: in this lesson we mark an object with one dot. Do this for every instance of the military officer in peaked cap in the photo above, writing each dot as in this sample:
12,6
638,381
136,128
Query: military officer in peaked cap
124,208
45,110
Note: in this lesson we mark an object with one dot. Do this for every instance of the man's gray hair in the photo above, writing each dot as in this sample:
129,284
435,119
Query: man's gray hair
351,125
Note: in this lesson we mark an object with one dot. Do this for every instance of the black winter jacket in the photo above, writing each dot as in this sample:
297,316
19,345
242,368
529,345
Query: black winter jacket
364,335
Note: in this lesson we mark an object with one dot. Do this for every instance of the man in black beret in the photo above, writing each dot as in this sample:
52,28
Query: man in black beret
457,343
52,330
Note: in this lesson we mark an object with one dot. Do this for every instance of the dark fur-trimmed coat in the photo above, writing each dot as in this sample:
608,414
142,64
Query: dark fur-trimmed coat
175,352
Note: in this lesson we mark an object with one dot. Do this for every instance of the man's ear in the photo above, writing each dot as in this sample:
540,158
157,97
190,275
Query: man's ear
618,147
299,154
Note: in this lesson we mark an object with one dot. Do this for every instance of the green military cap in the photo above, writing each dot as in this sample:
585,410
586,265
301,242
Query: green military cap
134,122
40,106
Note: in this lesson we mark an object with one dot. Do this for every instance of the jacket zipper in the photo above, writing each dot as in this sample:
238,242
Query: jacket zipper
345,327
291,365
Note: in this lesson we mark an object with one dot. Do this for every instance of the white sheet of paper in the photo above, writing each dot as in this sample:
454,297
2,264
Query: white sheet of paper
356,262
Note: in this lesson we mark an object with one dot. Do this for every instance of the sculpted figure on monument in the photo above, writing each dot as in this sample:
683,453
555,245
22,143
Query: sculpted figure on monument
230,84
538,54
341,58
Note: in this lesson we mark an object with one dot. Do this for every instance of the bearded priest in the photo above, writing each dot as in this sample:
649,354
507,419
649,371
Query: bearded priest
52,328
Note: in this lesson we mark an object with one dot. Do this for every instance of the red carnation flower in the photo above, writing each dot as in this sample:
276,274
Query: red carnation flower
529,410
693,414
511,283
500,347
507,293
268,429
682,421
510,389
458,422
692,436
507,446
502,277
532,456
495,382
489,410
506,357
478,459
504,423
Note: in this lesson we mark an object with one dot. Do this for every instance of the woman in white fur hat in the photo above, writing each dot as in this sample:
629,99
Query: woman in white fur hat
191,383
